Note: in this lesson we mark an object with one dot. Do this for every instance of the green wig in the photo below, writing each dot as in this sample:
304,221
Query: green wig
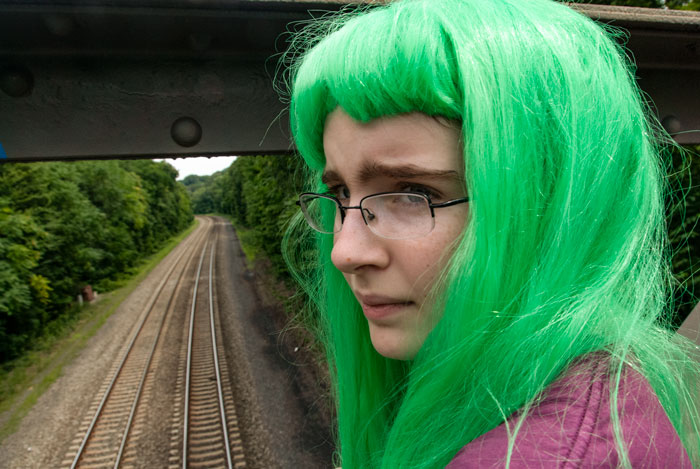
564,252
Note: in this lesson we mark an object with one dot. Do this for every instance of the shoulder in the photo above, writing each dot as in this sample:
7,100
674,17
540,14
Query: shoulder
571,426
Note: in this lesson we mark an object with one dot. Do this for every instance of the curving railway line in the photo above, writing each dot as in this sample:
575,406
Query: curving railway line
202,426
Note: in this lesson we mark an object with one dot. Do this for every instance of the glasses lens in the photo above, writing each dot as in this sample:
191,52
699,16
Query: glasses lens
398,215
320,212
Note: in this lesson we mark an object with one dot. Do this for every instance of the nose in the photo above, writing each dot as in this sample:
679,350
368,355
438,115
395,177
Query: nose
355,246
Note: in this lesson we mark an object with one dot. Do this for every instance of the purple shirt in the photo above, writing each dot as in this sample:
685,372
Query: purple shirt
571,427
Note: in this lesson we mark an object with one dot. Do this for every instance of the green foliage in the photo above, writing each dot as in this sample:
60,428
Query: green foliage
684,226
259,192
693,5
67,225
260,196
206,192
23,291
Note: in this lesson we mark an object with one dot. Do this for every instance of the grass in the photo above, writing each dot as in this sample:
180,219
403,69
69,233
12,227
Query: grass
245,237
24,380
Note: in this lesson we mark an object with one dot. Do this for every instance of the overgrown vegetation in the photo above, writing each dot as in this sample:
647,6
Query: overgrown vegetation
259,193
684,229
67,225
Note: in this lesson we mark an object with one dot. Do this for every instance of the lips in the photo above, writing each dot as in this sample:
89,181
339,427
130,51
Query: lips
377,307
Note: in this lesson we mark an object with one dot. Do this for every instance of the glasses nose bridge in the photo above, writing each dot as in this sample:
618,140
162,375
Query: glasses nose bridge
343,212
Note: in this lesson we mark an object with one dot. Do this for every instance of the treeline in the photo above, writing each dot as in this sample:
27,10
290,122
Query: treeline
67,225
259,193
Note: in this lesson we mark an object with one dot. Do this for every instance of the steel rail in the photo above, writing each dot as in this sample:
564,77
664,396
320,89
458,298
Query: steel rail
189,362
108,391
144,374
224,426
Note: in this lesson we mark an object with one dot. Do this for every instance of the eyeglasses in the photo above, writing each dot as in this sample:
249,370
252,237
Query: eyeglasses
393,215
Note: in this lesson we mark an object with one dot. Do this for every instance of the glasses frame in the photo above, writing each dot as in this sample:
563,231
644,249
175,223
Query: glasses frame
344,208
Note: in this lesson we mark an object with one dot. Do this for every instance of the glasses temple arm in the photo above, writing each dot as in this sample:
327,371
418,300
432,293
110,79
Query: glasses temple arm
450,203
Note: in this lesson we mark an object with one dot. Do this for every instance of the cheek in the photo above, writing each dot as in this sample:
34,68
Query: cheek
424,265
430,257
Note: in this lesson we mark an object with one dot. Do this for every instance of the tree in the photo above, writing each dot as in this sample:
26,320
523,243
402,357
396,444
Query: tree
66,225
22,291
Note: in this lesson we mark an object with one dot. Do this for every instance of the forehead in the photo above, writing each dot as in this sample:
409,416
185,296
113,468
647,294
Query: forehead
408,142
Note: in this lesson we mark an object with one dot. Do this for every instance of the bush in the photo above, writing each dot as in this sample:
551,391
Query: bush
67,225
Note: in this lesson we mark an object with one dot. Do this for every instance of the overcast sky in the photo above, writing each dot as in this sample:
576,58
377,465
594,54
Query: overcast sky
201,166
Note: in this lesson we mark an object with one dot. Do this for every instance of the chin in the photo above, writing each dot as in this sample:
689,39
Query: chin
394,346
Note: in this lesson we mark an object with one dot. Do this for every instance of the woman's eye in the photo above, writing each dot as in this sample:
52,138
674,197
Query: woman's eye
415,199
339,192
432,195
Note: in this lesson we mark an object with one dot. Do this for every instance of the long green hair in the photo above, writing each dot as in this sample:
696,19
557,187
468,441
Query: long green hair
564,252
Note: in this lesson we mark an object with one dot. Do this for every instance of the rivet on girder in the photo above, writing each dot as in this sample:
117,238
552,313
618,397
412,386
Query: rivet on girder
200,42
671,124
186,131
59,25
16,81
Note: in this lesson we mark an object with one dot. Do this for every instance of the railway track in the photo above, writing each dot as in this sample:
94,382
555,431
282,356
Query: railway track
203,425
206,435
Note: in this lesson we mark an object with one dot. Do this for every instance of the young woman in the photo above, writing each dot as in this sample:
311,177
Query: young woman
484,242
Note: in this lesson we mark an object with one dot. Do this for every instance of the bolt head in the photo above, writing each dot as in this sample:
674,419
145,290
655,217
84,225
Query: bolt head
671,124
186,131
16,81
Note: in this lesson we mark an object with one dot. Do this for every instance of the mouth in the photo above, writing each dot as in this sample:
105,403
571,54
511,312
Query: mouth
377,307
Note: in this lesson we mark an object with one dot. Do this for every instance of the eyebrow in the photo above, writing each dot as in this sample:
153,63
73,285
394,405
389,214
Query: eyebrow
371,170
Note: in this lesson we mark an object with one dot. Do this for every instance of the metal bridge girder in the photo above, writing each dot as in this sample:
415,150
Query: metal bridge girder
168,78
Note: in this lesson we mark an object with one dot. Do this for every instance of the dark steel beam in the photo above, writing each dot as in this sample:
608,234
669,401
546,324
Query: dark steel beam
665,46
106,79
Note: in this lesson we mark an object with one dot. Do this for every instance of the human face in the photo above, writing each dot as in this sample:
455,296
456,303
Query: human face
391,278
